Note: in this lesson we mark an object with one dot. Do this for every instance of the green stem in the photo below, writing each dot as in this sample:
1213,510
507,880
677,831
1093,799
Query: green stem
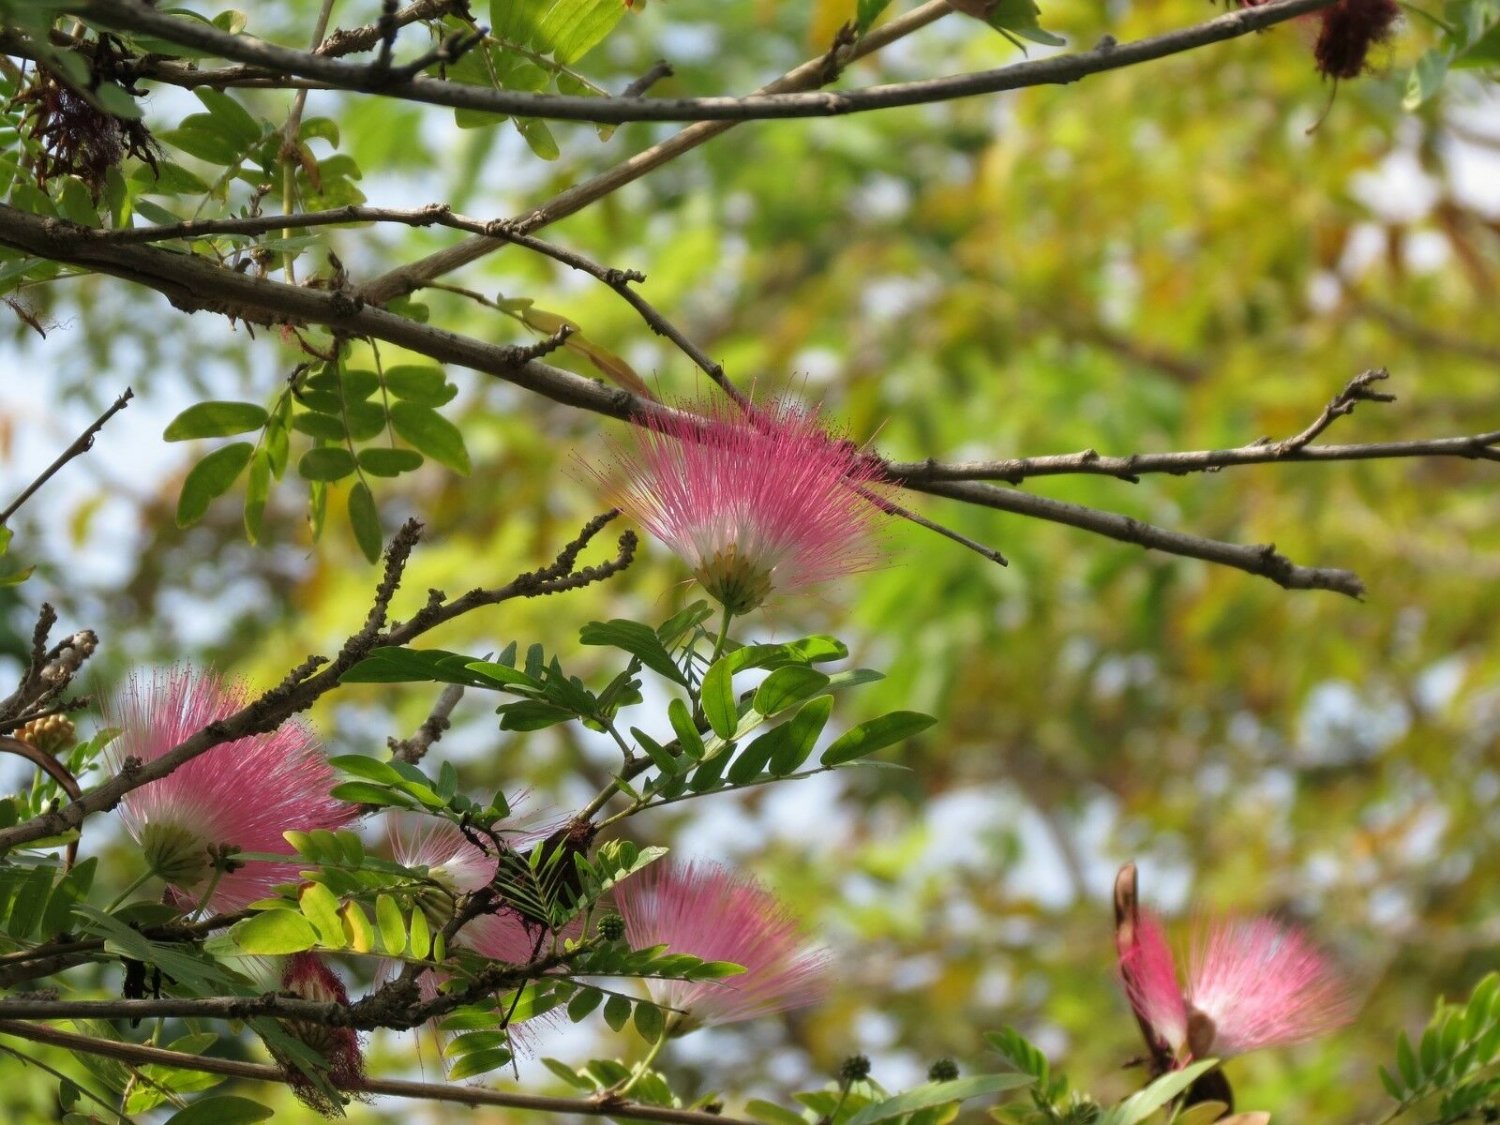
213,885
61,1077
130,890
643,1066
723,637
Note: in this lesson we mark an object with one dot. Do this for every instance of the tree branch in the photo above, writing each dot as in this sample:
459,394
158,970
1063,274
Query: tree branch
412,750
437,214
807,76
192,282
143,1055
1357,390
81,445
134,15
916,474
57,956
1262,560
317,675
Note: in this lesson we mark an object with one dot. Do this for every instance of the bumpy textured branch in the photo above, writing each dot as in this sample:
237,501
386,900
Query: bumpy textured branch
438,214
318,675
142,1055
808,76
1262,559
192,282
81,445
134,15
1131,467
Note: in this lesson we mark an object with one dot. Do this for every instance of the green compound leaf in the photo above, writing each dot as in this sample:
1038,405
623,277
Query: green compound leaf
209,479
874,735
938,1093
639,640
427,430
365,520
275,931
216,419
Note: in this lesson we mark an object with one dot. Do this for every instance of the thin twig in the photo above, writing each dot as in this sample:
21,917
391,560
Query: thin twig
1087,462
892,508
54,957
619,281
1471,447
1485,446
1357,390
81,445
1262,559
440,215
655,73
412,750
132,15
290,133
317,675
143,1055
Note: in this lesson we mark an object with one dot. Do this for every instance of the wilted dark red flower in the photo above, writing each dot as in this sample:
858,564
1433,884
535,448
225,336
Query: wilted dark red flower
309,976
75,137
1349,29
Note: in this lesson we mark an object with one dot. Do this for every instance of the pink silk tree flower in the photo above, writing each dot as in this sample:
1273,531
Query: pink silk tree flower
1251,984
309,976
1150,978
719,915
1257,983
752,501
240,795
461,867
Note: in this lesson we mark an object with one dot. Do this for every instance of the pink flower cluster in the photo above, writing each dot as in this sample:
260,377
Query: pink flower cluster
1250,984
751,501
463,868
719,915
240,795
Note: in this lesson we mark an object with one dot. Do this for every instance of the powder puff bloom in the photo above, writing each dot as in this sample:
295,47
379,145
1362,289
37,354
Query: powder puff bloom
1250,984
240,795
309,976
751,502
718,915
461,867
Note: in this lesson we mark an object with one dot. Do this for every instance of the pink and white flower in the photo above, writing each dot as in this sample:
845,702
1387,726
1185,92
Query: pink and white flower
1250,984
751,501
240,795
719,915
461,867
